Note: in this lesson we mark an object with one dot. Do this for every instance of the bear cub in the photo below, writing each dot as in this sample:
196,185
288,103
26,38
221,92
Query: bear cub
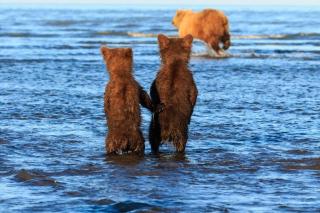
174,92
122,97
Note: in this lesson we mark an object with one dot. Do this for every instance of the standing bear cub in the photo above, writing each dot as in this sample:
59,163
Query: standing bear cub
210,26
121,103
174,93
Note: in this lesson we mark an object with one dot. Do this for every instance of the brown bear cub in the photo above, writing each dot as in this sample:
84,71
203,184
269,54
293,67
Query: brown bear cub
121,103
174,92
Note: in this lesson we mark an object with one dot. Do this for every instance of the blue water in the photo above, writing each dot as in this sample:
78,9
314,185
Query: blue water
254,140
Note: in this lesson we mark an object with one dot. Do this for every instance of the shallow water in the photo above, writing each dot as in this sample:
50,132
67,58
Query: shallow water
254,137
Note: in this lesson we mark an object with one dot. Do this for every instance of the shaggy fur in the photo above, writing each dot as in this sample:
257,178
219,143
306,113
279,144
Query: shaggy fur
210,26
174,93
121,103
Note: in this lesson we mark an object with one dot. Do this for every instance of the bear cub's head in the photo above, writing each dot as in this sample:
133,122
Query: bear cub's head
119,60
175,49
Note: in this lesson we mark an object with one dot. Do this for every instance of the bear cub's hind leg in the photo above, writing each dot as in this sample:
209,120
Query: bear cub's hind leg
154,136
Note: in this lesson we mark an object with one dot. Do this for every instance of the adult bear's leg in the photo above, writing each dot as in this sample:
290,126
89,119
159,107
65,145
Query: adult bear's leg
214,44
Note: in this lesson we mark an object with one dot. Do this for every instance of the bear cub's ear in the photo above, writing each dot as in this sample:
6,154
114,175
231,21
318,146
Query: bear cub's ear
128,52
187,41
163,41
104,51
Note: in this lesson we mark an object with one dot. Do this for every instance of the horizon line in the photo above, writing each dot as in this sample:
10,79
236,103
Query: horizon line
152,4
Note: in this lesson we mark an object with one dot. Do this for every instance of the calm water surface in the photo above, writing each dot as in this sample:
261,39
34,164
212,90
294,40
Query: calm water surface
254,138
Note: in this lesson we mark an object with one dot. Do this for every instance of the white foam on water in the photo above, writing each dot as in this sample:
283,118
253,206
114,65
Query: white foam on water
142,35
202,49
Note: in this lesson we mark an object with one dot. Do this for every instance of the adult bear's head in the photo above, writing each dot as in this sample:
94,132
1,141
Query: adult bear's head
226,41
180,14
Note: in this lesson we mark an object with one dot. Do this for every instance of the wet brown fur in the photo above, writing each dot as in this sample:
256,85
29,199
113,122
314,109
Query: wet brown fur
174,89
210,26
121,103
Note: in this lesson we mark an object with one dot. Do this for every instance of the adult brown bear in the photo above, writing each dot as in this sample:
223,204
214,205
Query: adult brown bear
175,91
210,26
121,103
